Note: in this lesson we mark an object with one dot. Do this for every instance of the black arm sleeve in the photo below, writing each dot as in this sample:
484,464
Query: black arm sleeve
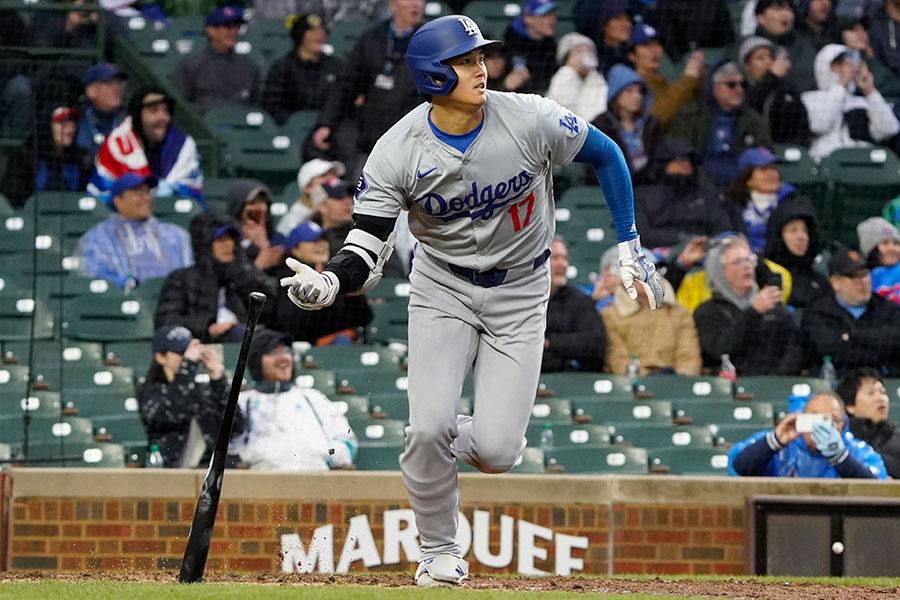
753,460
350,268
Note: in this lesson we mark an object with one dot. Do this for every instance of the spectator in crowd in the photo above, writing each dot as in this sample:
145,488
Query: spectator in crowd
332,11
311,174
665,340
879,243
71,29
603,283
495,63
678,205
335,324
210,297
628,121
829,450
816,21
608,23
771,94
332,211
147,143
248,202
775,22
48,161
853,326
645,54
868,405
575,339
748,323
288,428
103,110
131,245
847,110
687,24
792,241
530,45
182,415
217,75
883,30
754,194
854,34
16,93
720,126
577,84
301,79
375,70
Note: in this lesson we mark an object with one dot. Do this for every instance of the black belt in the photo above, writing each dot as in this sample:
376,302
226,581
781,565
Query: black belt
493,277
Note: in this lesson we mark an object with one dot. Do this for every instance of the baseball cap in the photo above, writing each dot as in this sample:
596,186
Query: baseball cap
171,338
102,72
317,167
64,113
223,15
763,5
227,229
333,188
131,180
537,7
304,232
846,262
264,341
642,34
757,157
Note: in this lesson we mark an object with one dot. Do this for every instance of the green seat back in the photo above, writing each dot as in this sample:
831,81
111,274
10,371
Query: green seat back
270,156
603,386
385,457
107,319
126,429
88,380
317,379
569,434
601,410
670,387
732,433
597,460
380,432
136,355
706,412
13,381
339,357
773,388
551,410
390,321
660,435
690,461
16,314
364,382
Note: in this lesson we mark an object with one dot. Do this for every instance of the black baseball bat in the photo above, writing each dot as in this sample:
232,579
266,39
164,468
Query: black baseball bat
200,535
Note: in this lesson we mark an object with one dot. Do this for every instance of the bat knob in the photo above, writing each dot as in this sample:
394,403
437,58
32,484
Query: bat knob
257,297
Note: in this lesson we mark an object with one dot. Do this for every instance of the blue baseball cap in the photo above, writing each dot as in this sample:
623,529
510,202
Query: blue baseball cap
171,338
304,232
757,157
224,15
537,7
642,34
228,228
102,72
131,180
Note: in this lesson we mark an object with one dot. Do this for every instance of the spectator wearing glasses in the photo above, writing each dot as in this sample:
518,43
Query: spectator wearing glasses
747,322
217,75
720,126
853,326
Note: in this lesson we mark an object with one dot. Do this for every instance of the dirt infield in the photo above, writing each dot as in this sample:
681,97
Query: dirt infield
726,588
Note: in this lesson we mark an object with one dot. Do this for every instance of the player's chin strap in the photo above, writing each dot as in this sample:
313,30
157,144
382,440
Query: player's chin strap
365,245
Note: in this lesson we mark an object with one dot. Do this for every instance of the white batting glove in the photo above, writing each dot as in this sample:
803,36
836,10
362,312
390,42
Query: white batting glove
635,267
309,289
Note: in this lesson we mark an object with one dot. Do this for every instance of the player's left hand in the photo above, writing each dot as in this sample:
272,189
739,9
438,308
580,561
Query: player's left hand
634,267
308,289
828,441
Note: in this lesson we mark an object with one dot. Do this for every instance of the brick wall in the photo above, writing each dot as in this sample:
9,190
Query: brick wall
643,525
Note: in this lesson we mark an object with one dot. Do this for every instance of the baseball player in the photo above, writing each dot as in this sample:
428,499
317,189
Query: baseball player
473,169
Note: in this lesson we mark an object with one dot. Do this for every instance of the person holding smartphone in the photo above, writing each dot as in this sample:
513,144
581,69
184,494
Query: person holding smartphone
814,442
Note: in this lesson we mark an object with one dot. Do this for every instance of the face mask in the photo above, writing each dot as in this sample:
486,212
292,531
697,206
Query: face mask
588,61
679,182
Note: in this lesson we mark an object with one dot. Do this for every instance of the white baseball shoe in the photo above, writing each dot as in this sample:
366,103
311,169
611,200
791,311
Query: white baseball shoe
443,570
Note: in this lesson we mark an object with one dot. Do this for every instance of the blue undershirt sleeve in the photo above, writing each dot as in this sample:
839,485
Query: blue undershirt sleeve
614,178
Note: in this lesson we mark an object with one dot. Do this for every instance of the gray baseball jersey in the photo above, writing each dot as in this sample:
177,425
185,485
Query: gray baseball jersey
488,207
491,206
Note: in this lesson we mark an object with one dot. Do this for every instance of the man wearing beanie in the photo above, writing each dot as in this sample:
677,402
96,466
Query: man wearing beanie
147,143
288,428
720,126
217,75
301,79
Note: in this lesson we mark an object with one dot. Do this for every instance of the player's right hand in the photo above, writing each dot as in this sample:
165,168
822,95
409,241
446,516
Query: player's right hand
308,289
634,267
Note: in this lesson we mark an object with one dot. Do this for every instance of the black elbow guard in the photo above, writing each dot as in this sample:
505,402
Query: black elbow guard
350,269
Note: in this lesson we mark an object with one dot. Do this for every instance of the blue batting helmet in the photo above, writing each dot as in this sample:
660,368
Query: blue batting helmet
436,41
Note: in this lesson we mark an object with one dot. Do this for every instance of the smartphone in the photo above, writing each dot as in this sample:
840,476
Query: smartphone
806,421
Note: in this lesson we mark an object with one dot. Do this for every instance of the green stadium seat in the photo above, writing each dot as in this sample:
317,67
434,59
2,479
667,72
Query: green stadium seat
235,121
377,457
136,355
773,388
38,403
391,287
603,386
16,315
299,125
64,203
215,192
49,356
551,410
354,408
90,381
583,198
107,319
567,177
317,379
125,429
390,321
493,16
731,433
597,460
97,455
864,179
49,431
601,410
810,178
178,211
271,157
389,405
52,290
659,435
13,381
569,434
363,382
5,449
671,387
339,358
689,461
343,35
706,412
102,404
531,462
434,9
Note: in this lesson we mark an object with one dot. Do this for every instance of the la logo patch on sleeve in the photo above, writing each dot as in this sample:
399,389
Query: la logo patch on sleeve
361,186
